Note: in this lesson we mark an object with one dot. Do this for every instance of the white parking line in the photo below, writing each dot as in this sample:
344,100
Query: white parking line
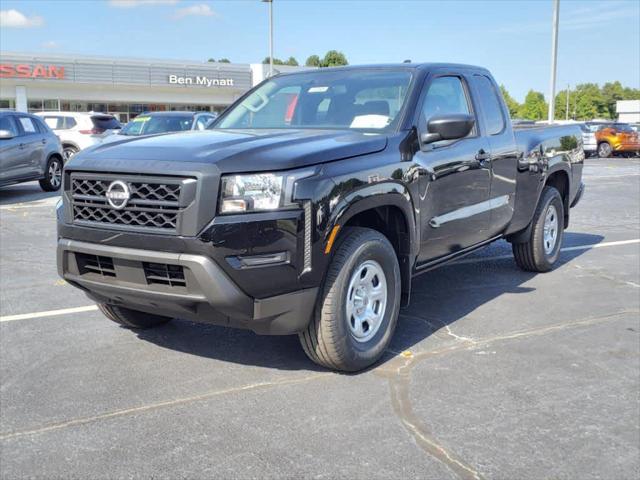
49,313
90,308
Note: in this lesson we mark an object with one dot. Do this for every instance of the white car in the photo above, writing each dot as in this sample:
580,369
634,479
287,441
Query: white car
78,130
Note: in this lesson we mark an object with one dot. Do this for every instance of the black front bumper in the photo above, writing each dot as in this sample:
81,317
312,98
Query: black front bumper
273,299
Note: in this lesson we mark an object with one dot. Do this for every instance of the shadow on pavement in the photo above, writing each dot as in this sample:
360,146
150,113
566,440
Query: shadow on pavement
440,298
24,192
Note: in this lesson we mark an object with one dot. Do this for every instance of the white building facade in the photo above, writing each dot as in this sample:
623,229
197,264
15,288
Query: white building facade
124,87
628,111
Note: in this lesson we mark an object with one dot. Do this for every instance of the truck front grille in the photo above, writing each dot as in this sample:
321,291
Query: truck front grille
163,274
153,203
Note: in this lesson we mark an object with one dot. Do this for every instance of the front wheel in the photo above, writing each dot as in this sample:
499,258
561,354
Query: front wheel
604,150
357,311
52,175
131,318
542,250
68,152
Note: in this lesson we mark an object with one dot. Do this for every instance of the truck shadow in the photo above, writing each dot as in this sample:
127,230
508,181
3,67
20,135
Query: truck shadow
24,192
439,298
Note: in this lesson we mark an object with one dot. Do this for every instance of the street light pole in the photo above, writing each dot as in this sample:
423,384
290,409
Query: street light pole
554,59
270,2
568,91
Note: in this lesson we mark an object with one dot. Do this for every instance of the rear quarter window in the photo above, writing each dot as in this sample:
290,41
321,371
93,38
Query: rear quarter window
490,104
105,122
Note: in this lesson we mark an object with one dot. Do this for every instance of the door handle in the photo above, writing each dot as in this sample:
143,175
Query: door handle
483,158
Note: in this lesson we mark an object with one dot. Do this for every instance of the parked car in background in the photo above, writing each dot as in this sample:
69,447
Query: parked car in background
29,150
163,122
79,130
589,142
617,138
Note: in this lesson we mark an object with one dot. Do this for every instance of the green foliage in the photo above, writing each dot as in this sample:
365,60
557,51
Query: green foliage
224,60
292,61
512,105
313,61
534,106
276,61
334,58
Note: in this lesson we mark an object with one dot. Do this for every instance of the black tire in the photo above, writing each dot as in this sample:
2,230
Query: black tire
328,339
52,175
532,255
68,151
132,318
604,150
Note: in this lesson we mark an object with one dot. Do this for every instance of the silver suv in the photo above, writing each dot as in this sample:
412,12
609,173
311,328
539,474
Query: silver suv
29,150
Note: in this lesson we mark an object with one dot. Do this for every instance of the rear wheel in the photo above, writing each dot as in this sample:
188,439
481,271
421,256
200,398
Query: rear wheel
542,250
604,150
52,175
357,311
131,318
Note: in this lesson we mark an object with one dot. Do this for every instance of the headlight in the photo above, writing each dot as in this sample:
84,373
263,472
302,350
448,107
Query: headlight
259,191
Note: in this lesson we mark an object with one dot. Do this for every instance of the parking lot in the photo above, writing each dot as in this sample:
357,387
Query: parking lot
492,373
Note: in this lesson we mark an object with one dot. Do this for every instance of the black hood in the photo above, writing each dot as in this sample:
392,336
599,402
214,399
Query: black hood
236,150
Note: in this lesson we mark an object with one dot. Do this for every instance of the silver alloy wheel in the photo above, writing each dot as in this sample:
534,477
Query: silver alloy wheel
550,229
55,174
604,150
67,153
366,300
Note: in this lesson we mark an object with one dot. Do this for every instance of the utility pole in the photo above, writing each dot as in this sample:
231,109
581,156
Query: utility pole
270,2
568,90
554,59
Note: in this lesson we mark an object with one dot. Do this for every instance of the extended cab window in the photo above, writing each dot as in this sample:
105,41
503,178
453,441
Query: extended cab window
446,95
490,104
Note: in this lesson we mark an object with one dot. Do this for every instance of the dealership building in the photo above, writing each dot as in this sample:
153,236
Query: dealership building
124,87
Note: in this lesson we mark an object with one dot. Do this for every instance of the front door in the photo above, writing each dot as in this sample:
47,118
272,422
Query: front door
13,156
454,210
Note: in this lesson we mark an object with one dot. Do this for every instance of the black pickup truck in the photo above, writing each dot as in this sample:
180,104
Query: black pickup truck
312,202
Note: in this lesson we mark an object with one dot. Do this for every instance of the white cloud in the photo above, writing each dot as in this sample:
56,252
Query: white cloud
15,19
51,44
199,10
138,3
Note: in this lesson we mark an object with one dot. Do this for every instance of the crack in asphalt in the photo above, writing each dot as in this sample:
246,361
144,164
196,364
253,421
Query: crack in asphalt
398,373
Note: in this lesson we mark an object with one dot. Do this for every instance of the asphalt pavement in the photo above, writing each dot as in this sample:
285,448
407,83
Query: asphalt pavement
492,373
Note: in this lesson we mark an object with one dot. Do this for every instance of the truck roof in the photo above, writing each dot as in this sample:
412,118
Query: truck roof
391,66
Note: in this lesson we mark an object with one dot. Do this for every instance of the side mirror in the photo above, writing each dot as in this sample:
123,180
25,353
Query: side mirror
6,135
448,127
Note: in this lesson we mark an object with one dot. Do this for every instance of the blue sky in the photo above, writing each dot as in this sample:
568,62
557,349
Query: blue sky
599,40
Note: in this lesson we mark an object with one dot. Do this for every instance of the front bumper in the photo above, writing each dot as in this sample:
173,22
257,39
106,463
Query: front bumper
208,294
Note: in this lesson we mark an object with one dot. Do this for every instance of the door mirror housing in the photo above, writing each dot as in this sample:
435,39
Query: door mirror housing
448,127
6,135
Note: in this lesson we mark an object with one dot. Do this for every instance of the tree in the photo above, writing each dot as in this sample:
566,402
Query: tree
211,60
313,61
224,60
292,61
589,102
611,93
561,105
534,106
512,105
334,58
276,61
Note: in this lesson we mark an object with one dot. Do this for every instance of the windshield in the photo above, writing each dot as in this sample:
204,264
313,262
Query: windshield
355,99
150,124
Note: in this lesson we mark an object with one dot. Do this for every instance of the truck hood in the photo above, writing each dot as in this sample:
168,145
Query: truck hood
235,150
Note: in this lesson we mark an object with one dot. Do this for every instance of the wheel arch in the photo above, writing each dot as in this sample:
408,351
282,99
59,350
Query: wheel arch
386,208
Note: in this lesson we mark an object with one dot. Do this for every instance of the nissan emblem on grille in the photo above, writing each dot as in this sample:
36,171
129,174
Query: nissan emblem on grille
118,194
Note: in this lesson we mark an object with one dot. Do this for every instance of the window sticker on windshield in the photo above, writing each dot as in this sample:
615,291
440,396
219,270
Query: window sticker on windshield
318,89
370,121
140,119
